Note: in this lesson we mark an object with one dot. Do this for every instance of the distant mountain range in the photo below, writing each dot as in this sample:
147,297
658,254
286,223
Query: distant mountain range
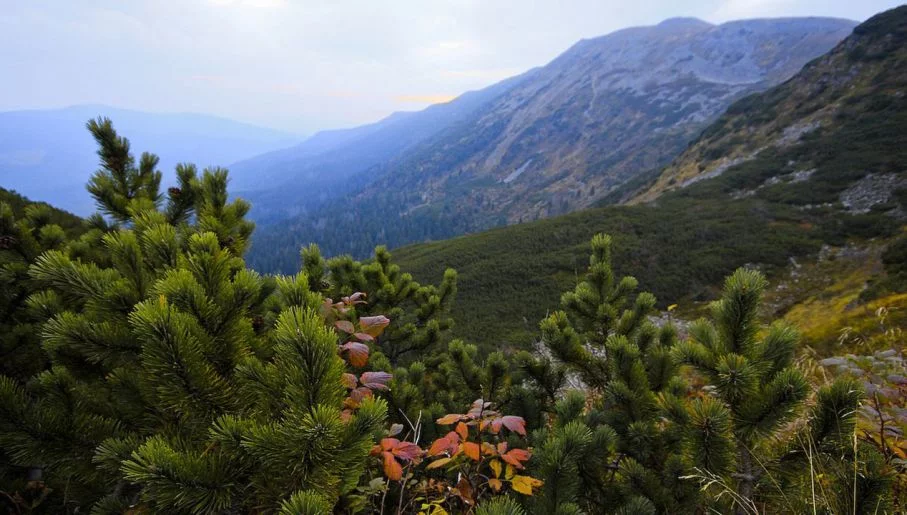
48,154
553,140
335,163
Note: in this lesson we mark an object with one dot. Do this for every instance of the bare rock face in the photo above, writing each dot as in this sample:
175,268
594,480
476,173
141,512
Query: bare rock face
869,191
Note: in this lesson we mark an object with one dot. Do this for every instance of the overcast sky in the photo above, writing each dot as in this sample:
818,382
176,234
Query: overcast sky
302,65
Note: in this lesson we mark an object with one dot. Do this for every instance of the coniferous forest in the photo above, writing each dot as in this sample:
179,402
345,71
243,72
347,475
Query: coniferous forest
720,329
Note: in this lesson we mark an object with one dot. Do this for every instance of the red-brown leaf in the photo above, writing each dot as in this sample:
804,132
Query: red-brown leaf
449,419
363,337
360,393
374,325
345,325
358,353
515,457
375,380
515,424
464,490
407,451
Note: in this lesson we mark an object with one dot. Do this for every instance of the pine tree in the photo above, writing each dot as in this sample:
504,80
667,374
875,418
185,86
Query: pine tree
428,379
621,447
22,240
23,236
736,433
180,381
420,314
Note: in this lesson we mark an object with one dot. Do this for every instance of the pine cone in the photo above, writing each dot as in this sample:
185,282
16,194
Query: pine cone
7,242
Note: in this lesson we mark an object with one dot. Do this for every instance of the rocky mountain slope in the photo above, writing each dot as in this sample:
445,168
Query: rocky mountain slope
48,155
606,109
560,139
818,201
854,89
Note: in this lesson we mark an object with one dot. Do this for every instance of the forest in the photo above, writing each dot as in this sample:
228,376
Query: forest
147,369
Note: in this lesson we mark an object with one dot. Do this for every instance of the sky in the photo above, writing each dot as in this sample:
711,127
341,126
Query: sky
306,65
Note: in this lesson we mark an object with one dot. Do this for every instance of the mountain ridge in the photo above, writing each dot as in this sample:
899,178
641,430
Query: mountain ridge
562,138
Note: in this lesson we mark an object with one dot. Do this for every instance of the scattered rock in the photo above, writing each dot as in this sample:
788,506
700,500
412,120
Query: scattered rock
869,191
792,134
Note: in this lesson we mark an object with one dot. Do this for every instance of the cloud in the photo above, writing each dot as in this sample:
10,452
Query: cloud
739,9
482,73
425,99
267,4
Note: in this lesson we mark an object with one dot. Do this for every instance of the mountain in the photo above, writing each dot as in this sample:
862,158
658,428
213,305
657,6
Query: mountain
845,98
605,110
812,188
291,181
48,155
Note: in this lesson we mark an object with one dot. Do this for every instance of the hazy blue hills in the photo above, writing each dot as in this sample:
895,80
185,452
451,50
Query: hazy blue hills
48,155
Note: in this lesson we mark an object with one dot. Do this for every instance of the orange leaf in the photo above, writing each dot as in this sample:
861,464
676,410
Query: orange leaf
388,444
471,449
439,446
392,469
462,430
488,449
449,419
495,484
438,463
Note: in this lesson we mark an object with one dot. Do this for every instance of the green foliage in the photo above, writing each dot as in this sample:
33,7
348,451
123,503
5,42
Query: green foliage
758,391
180,381
167,377
501,506
678,251
603,343
419,313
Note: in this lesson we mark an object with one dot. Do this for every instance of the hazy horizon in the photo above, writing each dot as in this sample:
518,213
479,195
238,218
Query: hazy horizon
301,67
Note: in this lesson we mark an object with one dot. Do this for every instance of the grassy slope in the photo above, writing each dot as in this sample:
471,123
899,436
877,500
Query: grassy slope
510,277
